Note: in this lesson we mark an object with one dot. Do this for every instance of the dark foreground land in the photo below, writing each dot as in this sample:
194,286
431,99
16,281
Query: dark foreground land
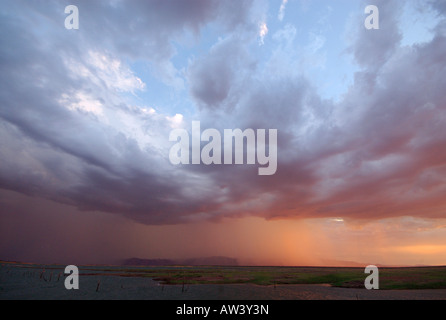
33,281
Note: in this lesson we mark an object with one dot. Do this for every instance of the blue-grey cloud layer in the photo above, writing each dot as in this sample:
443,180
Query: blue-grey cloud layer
377,152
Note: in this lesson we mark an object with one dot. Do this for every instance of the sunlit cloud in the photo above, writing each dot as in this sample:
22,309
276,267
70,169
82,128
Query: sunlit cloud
175,121
105,70
82,101
263,31
282,10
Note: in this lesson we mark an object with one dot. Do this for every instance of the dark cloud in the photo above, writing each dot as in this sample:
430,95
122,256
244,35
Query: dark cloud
218,77
440,6
373,49
359,157
377,152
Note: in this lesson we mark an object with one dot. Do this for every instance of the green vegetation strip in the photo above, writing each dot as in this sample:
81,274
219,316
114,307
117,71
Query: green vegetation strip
390,278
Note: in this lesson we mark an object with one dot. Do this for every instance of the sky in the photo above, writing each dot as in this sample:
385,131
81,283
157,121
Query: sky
86,115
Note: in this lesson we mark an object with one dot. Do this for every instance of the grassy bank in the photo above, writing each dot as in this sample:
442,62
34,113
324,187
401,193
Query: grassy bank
390,278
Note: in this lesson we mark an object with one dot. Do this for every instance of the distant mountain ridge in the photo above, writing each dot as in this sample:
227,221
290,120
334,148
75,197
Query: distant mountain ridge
202,261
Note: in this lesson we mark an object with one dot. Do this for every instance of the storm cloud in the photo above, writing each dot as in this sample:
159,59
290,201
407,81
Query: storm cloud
72,133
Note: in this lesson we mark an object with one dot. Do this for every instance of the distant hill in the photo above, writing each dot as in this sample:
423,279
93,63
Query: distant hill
148,262
211,261
203,261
